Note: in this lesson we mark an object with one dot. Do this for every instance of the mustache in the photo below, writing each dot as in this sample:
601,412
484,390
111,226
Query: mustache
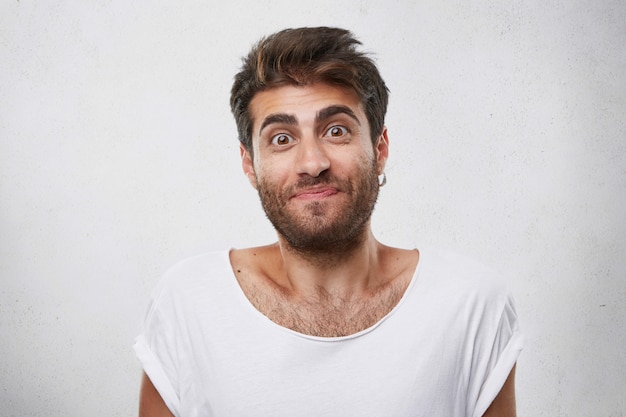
325,178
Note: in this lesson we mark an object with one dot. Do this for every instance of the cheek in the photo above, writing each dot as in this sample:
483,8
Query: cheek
271,173
357,163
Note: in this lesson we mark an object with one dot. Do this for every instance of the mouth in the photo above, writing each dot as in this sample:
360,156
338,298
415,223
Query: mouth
315,193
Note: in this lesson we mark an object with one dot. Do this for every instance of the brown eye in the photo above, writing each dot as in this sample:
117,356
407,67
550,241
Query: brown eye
282,139
336,131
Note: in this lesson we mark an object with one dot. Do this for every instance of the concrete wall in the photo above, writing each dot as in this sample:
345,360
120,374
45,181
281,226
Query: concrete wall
118,157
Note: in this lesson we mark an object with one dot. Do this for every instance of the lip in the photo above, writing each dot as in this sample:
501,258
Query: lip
315,193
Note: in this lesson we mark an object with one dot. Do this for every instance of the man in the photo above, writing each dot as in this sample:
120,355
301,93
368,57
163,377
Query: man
327,321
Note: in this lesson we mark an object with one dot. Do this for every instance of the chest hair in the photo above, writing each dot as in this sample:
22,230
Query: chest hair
325,314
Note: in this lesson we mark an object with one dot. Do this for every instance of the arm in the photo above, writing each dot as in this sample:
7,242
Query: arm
504,403
150,402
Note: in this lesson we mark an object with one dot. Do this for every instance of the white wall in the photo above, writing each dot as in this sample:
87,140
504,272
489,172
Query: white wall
118,157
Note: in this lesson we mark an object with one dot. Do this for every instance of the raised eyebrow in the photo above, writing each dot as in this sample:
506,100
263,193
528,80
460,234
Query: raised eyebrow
330,111
281,118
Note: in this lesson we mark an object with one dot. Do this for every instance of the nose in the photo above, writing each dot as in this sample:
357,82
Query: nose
312,158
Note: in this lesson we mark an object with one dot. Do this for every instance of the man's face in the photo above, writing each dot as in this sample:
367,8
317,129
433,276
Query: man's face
314,166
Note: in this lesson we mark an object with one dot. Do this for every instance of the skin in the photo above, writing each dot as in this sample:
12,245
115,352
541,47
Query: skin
504,403
345,286
337,288
315,168
151,403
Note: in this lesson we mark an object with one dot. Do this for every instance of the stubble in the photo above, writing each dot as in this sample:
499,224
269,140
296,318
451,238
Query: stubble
324,230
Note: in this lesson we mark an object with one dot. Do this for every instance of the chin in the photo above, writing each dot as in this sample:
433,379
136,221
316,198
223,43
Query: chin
320,236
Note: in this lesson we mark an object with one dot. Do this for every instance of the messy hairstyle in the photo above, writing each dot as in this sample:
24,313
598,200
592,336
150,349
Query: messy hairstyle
303,57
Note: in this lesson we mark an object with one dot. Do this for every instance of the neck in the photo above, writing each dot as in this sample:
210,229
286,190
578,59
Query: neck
335,271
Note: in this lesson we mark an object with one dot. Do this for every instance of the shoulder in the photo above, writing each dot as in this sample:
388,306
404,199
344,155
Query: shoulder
193,275
198,283
258,257
467,295
251,263
461,282
451,268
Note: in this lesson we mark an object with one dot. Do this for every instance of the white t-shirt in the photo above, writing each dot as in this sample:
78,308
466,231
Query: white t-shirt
444,350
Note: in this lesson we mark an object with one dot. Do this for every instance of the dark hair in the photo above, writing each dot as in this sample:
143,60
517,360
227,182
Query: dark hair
302,57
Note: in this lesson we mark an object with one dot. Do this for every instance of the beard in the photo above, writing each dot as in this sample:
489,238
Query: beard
323,227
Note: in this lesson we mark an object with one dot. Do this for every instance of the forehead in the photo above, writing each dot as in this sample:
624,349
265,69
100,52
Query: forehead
303,102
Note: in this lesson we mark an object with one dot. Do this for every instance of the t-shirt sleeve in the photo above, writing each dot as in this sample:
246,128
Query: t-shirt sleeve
502,351
157,348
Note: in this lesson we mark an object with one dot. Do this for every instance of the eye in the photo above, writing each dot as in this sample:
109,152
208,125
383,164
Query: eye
337,132
282,139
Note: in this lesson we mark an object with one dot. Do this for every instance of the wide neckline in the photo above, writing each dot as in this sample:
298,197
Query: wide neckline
245,301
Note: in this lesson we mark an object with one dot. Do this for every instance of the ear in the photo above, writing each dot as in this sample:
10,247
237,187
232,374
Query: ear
247,164
381,150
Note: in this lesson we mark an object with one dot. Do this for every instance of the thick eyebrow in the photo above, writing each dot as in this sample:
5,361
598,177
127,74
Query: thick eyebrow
330,111
323,114
281,118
